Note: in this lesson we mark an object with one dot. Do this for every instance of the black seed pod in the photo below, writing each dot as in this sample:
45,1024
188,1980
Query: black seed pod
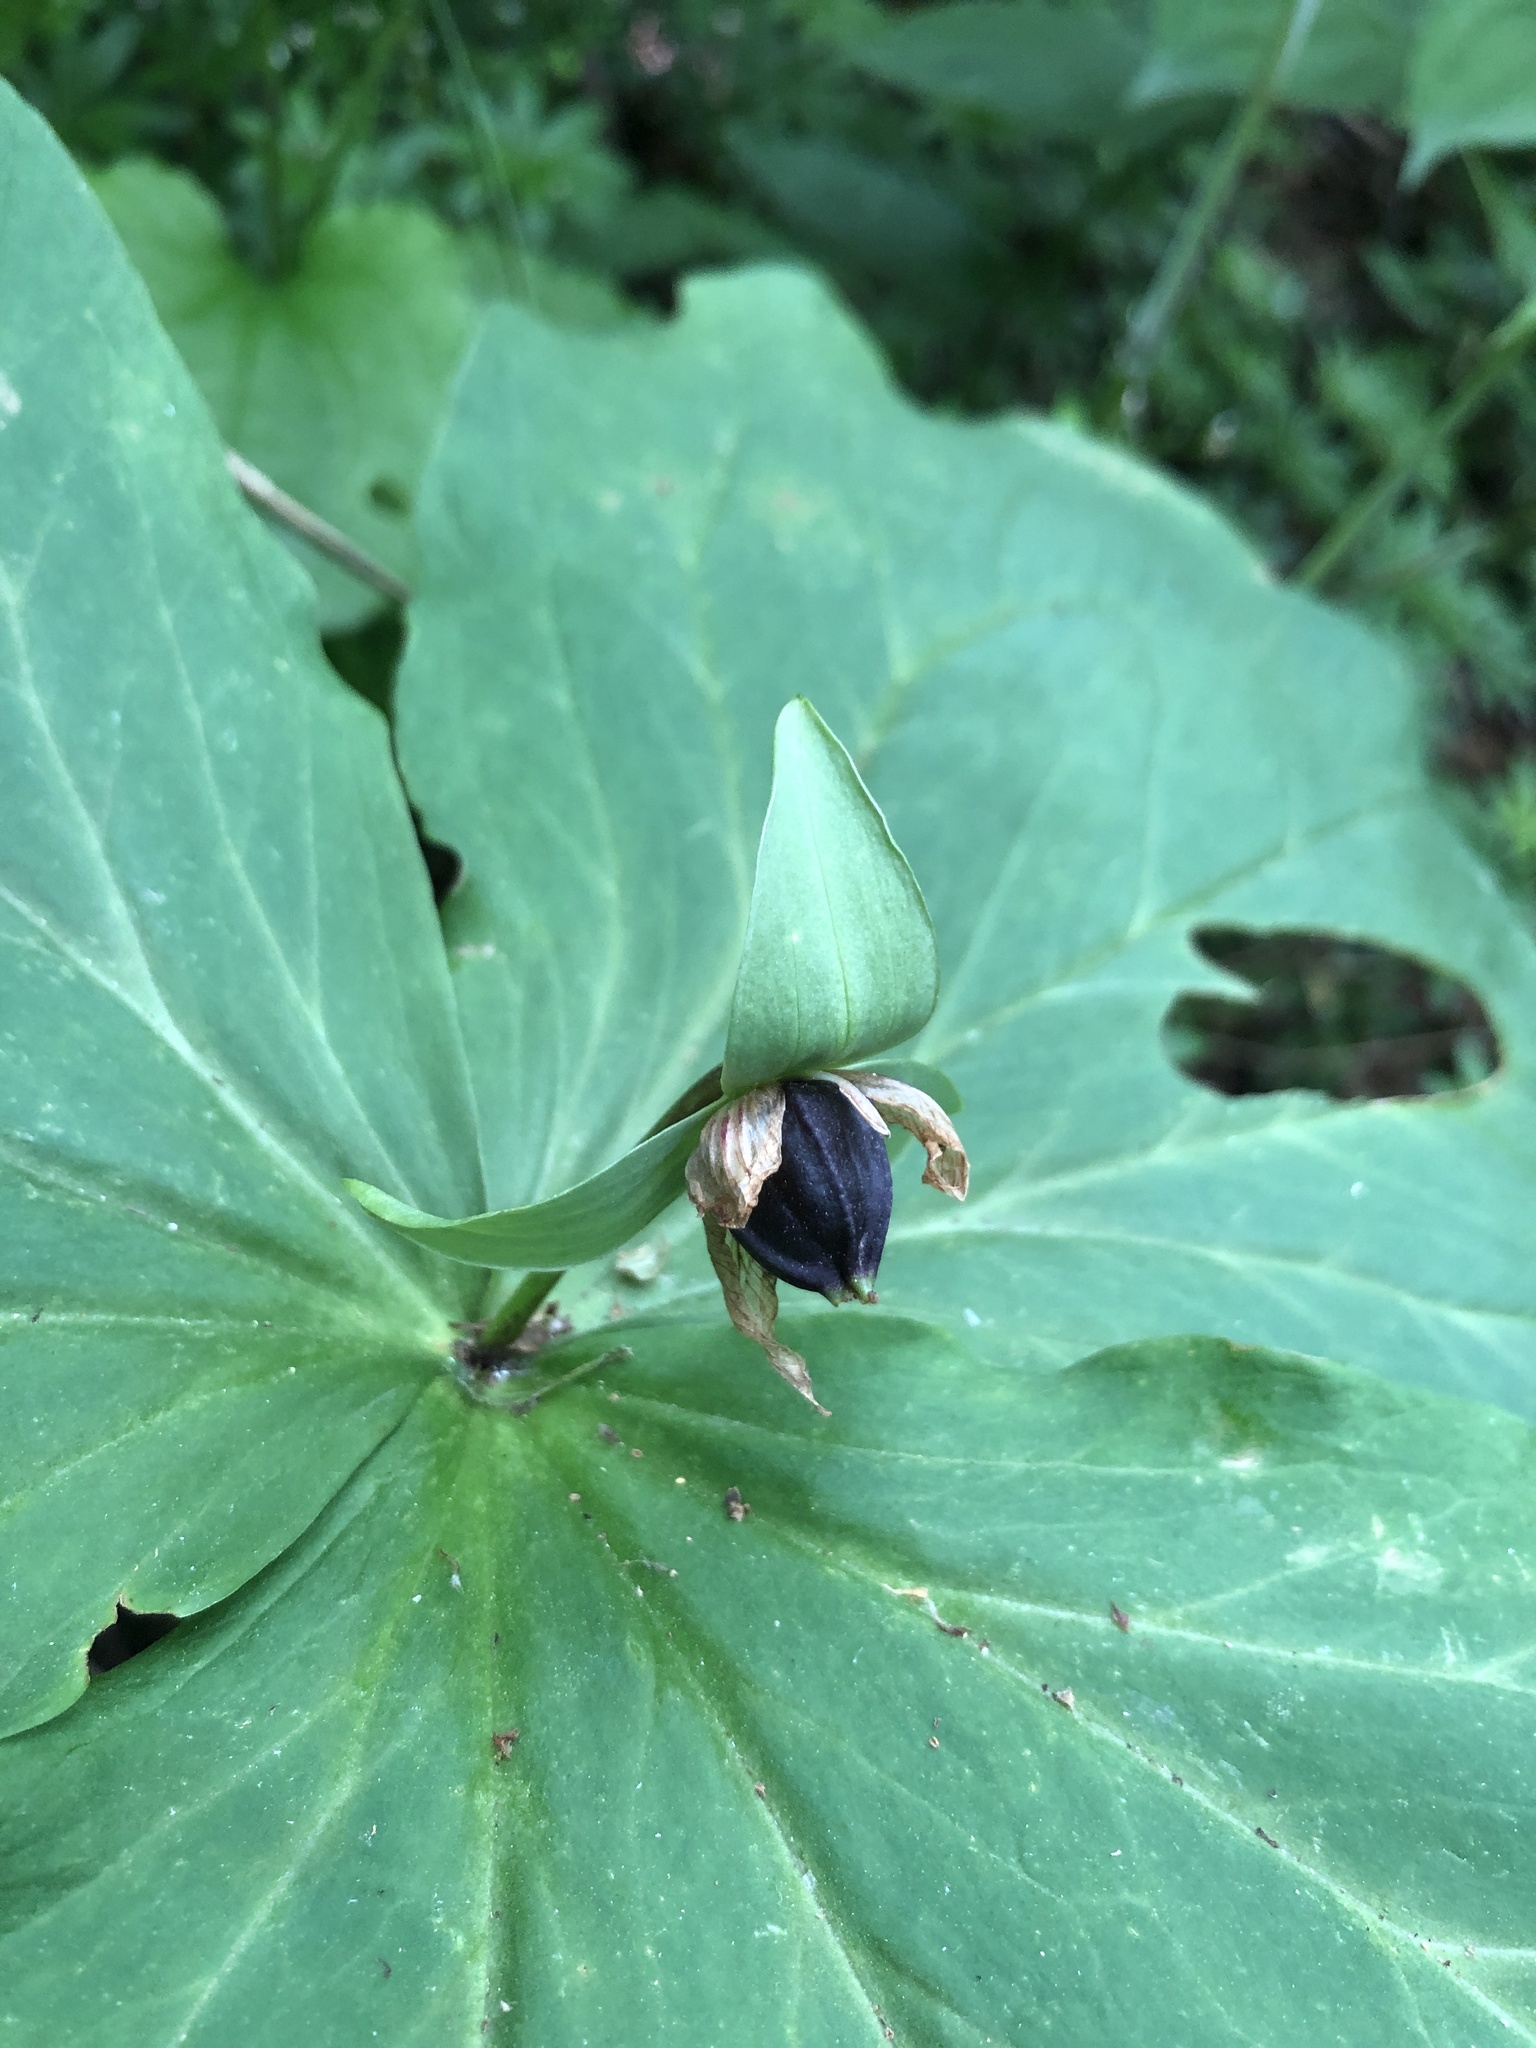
820,1221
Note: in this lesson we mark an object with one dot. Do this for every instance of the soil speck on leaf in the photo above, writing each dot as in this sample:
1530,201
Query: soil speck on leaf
736,1509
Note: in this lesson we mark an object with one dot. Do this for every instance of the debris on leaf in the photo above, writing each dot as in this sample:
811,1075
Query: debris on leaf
502,1745
642,1263
736,1509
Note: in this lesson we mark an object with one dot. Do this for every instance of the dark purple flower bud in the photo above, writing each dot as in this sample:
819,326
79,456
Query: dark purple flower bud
820,1220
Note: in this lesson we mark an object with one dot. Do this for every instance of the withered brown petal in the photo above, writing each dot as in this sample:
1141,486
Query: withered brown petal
948,1169
738,1149
752,1303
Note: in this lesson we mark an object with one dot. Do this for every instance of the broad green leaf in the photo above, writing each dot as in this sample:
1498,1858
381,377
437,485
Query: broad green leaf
1045,70
1354,58
839,960
878,1757
1472,80
889,220
1094,725
596,1217
222,989
331,380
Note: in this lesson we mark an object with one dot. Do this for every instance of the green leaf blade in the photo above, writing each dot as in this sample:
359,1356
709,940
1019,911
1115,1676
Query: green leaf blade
939,1844
331,380
224,989
839,960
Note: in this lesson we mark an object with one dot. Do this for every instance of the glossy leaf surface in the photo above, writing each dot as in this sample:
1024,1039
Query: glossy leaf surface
839,960
332,380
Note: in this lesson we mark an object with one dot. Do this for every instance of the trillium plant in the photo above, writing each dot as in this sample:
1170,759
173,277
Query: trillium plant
1139,1651
786,1159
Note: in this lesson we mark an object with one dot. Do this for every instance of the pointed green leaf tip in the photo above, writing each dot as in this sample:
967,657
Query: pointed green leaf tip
839,960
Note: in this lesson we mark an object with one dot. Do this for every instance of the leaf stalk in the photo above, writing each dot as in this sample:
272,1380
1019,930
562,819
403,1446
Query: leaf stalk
259,490
503,1329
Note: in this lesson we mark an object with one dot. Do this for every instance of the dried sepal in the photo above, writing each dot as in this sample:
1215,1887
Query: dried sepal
738,1149
948,1169
854,1093
752,1302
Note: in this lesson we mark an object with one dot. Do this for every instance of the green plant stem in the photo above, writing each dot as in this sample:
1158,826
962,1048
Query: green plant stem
358,110
510,1321
1148,326
1502,352
272,153
511,240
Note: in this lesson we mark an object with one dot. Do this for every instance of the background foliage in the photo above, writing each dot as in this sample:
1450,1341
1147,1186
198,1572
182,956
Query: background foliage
991,185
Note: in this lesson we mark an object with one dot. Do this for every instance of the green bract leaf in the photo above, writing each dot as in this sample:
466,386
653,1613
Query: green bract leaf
595,1217
332,380
223,989
839,960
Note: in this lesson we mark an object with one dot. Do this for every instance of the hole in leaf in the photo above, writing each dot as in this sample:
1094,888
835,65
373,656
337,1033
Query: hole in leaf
126,1637
1339,1016
387,494
369,656
444,865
